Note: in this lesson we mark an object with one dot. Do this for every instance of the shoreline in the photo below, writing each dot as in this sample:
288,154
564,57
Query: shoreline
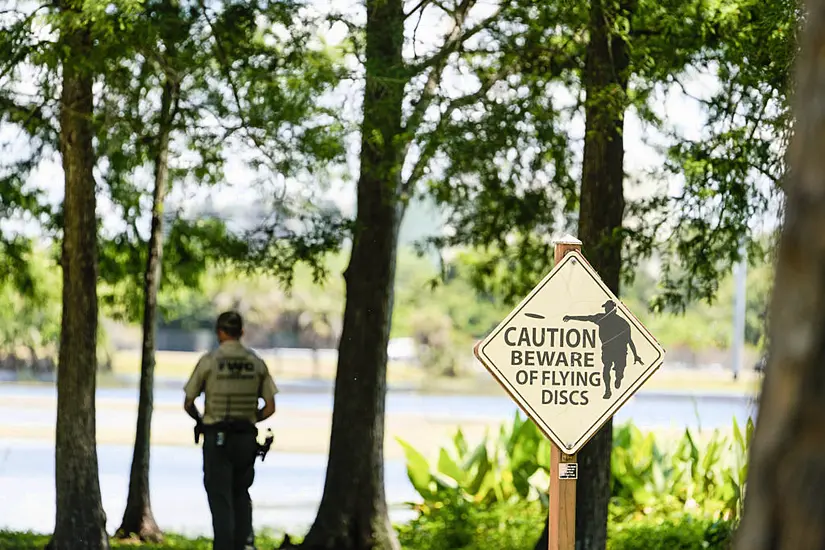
679,385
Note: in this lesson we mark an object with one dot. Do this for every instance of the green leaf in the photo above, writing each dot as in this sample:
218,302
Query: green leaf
482,473
460,443
737,434
418,470
749,432
448,467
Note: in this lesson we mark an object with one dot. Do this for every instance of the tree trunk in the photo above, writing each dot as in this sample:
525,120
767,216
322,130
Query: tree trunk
316,362
138,518
80,521
783,503
353,512
601,212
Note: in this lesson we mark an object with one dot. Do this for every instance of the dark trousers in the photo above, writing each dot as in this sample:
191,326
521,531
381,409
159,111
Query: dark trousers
228,472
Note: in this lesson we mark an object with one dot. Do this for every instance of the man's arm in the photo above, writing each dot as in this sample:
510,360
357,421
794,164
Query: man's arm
192,409
267,410
268,391
193,388
588,318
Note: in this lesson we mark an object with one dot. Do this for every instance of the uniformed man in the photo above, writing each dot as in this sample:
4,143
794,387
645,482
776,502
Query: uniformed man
233,379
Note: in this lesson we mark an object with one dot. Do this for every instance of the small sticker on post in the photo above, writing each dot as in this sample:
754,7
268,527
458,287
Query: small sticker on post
568,470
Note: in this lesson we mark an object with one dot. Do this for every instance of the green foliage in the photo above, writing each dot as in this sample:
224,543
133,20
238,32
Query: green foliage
14,267
732,172
701,325
514,526
678,497
445,314
502,469
462,525
476,282
31,320
425,304
685,533
438,349
191,246
422,290
703,477
31,541
711,192
242,78
245,79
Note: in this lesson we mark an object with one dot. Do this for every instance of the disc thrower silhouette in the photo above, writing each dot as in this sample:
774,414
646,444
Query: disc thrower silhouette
615,336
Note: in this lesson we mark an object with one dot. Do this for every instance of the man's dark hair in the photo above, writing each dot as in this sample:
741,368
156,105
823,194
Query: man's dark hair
231,323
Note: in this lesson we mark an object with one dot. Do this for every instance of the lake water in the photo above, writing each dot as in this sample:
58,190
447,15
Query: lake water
287,487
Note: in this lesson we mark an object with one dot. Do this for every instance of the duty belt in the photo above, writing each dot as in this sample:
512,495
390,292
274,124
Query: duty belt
237,426
231,426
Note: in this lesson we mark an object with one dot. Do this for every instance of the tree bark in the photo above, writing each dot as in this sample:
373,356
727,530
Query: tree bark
601,212
80,521
353,512
784,507
138,519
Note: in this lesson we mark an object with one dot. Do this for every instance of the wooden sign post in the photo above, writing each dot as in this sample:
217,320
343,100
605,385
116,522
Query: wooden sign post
562,531
570,355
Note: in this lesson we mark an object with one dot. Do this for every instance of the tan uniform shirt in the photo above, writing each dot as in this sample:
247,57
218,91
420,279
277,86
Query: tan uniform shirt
233,377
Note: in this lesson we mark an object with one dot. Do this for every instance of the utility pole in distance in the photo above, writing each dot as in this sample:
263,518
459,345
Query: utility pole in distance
740,274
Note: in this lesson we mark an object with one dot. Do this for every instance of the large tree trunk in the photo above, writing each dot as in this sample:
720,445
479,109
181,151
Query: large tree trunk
784,507
80,521
601,212
600,224
138,518
353,511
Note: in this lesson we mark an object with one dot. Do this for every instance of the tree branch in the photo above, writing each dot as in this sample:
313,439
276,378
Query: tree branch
453,42
455,39
507,70
354,32
224,63
420,6
465,101
24,115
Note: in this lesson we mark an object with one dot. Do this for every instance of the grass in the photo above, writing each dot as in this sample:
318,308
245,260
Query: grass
10,540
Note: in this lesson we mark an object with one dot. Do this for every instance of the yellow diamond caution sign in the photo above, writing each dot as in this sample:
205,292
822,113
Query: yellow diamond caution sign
570,354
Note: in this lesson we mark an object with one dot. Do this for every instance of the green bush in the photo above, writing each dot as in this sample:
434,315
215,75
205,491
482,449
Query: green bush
513,466
649,479
706,480
687,533
461,525
31,541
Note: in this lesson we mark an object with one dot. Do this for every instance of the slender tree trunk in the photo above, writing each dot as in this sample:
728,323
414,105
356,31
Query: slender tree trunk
601,212
138,518
353,512
784,508
80,521
316,363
